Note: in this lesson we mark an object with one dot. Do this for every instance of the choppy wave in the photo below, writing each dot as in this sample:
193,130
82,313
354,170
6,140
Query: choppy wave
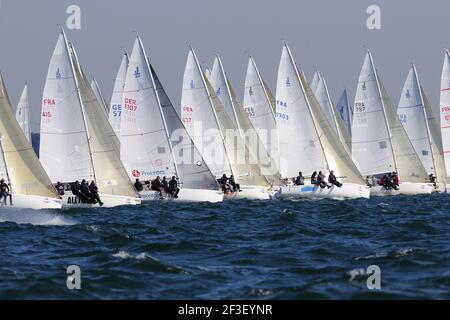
234,250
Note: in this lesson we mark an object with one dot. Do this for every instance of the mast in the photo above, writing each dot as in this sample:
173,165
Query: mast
384,111
263,86
72,65
212,106
426,119
307,103
159,105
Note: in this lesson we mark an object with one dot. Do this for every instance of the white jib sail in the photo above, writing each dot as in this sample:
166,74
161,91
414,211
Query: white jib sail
144,145
199,117
110,174
18,163
411,112
116,107
445,110
192,170
64,148
23,113
345,111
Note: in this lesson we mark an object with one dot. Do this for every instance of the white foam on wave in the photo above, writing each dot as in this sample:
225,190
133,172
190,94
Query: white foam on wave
125,255
36,218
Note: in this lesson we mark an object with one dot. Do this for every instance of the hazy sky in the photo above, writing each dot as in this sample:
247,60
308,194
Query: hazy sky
325,34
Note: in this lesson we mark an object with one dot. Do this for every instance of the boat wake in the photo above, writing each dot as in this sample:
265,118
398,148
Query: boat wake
35,218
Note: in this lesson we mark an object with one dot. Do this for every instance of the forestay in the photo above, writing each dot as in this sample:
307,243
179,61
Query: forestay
99,96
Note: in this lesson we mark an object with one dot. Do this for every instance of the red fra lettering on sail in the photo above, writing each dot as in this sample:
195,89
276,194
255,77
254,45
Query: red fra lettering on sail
130,104
49,102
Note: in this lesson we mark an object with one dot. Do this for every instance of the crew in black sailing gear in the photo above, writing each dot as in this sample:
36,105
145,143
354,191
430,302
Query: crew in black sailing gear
300,180
433,180
224,183
94,191
332,179
76,191
235,186
314,178
173,187
321,180
156,186
84,189
5,192
60,188
165,185
138,186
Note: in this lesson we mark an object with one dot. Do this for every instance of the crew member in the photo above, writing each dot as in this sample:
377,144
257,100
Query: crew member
173,187
138,186
333,180
94,191
300,180
5,192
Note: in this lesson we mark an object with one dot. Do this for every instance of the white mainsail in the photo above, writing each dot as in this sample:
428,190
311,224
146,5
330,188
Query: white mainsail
260,107
345,111
18,163
145,149
200,119
98,95
379,142
445,110
64,148
116,108
23,113
110,174
411,112
307,141
192,169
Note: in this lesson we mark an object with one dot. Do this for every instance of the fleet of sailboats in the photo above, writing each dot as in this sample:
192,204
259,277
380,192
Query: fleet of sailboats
263,142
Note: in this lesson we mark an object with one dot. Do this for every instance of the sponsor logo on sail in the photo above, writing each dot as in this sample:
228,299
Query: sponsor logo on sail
136,173
58,74
137,73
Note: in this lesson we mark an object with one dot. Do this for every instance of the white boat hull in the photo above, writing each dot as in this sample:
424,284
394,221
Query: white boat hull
185,195
21,201
249,193
347,191
109,201
406,188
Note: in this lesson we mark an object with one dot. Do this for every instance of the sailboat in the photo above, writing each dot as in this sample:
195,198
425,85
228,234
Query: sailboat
98,95
445,111
413,115
20,168
23,113
258,156
379,143
215,134
331,112
153,139
259,104
116,106
345,111
307,141
76,137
